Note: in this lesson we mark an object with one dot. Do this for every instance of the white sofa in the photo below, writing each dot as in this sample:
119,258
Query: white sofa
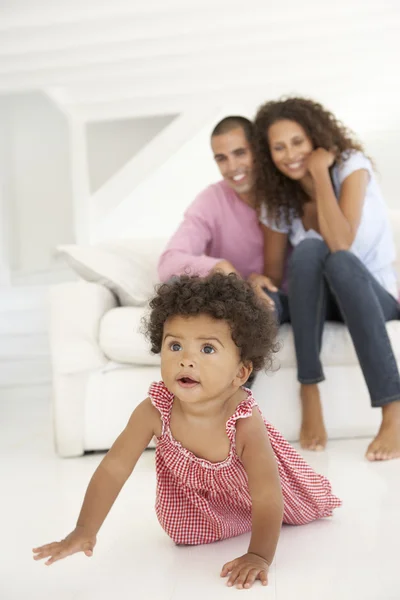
102,369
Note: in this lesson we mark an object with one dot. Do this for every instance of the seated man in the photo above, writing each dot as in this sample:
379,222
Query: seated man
221,229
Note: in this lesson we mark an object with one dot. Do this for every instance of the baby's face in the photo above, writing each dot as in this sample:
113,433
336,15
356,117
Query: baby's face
199,359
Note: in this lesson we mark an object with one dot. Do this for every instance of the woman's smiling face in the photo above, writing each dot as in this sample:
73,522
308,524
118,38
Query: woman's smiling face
290,148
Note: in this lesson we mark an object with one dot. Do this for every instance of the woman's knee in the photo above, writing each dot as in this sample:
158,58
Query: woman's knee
308,251
340,263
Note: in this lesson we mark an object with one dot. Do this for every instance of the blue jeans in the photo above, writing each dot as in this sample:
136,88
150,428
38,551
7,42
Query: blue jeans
336,286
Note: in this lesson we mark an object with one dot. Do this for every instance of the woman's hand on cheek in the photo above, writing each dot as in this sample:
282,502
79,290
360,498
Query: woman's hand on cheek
320,159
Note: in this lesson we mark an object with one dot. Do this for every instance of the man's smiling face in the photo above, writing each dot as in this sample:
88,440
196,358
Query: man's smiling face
234,158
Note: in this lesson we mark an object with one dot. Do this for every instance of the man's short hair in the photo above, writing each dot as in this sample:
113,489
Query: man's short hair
233,122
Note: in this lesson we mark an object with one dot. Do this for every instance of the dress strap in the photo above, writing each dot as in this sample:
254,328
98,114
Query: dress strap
162,399
243,410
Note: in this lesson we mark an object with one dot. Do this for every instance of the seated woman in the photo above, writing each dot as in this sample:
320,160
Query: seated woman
322,195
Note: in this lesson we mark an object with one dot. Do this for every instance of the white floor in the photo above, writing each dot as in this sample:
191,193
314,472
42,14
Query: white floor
354,556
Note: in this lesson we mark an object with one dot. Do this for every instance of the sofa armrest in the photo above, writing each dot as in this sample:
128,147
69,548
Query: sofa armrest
76,309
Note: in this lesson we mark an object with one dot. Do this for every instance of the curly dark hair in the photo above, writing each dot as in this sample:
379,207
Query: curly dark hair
220,296
281,195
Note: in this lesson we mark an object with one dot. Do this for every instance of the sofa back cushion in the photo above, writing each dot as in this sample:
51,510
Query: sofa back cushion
126,267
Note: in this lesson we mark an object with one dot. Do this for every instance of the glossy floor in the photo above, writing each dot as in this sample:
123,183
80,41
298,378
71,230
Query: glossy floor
354,556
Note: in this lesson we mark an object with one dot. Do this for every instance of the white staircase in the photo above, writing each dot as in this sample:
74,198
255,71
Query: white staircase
24,351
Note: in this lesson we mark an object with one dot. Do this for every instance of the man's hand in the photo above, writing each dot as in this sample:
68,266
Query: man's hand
245,570
225,267
77,541
259,282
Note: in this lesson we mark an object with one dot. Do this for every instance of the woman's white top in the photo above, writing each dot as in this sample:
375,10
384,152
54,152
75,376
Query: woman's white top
373,243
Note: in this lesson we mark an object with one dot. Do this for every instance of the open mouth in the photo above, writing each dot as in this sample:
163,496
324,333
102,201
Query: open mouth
187,382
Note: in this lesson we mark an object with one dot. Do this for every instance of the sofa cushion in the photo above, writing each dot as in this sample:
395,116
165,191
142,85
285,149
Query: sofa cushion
121,338
126,267
121,341
337,345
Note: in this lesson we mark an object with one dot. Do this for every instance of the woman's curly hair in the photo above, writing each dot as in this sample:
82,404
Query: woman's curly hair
253,325
282,196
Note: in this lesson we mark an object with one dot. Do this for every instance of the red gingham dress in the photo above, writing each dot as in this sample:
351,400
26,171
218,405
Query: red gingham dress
199,502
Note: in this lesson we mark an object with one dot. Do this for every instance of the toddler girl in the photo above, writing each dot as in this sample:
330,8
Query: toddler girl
222,470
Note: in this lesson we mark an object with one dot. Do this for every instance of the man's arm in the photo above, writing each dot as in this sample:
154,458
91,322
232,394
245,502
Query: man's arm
187,250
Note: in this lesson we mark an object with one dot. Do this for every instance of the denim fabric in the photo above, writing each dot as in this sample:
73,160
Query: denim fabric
337,287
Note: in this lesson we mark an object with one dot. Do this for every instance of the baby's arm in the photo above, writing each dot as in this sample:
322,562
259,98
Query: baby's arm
255,451
106,484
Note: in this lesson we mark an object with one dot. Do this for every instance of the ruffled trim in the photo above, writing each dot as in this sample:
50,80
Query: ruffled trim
243,410
162,399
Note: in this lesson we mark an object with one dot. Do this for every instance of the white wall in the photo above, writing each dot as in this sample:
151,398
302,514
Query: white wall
39,193
168,58
110,144
156,206
37,186
5,191
383,148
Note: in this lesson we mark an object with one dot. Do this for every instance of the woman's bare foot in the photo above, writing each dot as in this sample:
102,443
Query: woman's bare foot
312,433
386,445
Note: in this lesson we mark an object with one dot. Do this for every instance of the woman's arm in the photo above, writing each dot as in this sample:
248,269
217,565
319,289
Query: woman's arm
338,220
255,451
275,249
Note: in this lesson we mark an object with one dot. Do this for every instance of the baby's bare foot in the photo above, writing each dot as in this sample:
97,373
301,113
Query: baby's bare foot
312,433
386,445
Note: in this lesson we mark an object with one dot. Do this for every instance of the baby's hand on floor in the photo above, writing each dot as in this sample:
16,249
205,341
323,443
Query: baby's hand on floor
245,570
77,541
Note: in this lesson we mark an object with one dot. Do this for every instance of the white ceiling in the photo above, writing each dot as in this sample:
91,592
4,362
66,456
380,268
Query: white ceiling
130,58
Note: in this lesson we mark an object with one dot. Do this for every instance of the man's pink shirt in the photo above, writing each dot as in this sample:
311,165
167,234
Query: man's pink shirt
217,226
